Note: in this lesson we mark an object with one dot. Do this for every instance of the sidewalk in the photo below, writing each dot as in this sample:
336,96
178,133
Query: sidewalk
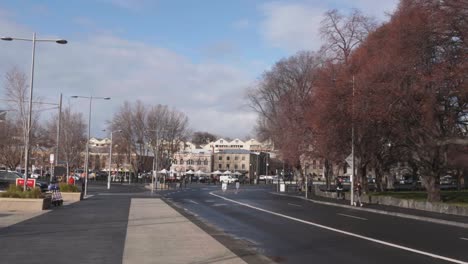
156,233
453,220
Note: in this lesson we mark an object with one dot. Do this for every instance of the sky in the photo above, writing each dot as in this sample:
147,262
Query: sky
198,57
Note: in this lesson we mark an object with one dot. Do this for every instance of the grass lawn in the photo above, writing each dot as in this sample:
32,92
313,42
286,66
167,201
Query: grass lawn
450,197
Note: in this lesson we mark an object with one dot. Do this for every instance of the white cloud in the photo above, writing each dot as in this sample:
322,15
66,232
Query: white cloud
209,93
241,24
294,26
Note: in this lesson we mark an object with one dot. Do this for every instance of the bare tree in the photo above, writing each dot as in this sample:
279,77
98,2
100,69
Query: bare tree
72,138
343,34
202,138
11,149
16,92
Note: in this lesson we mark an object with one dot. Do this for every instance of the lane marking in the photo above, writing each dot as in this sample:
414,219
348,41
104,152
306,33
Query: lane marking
346,232
295,204
192,201
352,216
464,238
221,204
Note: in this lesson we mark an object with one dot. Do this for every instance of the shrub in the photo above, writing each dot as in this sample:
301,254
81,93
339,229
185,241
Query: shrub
64,187
14,191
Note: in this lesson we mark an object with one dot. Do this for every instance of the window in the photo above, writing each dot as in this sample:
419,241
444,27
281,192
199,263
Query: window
198,162
236,167
205,162
219,166
243,166
216,145
243,157
221,141
236,158
174,162
241,146
227,166
181,162
220,158
228,158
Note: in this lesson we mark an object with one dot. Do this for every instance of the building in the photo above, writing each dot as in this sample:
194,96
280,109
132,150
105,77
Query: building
195,160
96,142
232,160
250,145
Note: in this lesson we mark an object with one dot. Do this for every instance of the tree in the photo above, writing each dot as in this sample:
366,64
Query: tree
203,138
281,98
11,149
72,138
146,127
342,34
16,92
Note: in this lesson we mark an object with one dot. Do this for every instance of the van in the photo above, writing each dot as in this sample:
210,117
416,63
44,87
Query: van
227,179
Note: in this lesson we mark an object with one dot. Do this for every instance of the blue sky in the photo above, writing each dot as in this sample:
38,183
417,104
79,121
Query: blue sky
197,56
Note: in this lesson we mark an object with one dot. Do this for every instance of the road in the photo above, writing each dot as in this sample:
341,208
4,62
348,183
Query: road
290,230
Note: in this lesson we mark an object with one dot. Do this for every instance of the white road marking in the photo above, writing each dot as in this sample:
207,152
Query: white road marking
295,204
221,204
346,232
464,238
192,201
352,216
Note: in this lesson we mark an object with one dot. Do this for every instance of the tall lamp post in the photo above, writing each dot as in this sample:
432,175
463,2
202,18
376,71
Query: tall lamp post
110,156
31,86
155,157
352,147
89,132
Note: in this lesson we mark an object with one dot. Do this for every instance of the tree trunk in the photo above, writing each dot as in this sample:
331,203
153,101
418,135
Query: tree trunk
328,172
378,179
431,183
363,178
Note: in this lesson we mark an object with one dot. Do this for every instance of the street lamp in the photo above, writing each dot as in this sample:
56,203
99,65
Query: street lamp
89,132
31,86
110,157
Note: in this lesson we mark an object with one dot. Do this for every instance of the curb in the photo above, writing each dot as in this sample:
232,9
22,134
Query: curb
402,215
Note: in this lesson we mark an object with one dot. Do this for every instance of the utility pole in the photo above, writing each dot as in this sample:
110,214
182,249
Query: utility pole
352,147
58,131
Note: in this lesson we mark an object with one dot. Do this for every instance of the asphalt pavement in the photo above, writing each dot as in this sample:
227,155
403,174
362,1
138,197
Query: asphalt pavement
290,230
252,223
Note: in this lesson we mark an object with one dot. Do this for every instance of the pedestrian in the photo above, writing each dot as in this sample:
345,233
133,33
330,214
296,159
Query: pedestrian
339,189
357,194
71,181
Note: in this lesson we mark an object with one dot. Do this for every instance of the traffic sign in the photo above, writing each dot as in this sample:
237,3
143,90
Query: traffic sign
51,158
31,183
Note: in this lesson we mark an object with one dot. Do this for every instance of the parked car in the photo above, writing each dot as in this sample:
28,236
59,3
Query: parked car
447,180
9,177
36,174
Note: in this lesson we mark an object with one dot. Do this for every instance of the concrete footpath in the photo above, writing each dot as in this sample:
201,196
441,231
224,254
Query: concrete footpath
156,233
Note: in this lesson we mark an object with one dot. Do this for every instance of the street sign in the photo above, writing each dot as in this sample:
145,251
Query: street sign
349,160
51,158
31,183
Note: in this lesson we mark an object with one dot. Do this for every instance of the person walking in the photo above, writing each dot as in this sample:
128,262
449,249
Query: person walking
357,194
339,189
